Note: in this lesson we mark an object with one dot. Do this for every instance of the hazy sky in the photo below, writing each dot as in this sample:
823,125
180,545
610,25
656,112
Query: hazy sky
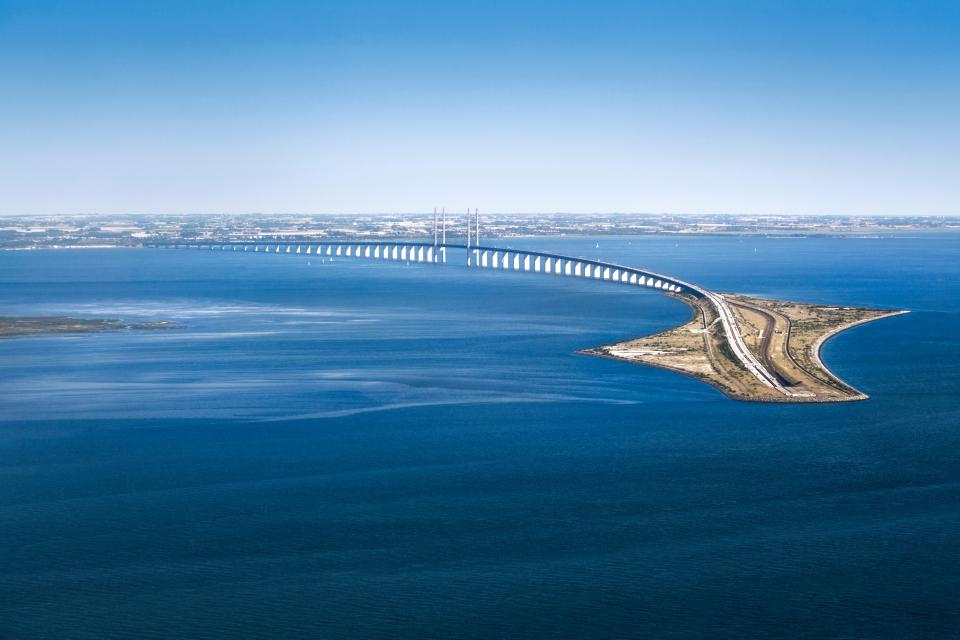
364,106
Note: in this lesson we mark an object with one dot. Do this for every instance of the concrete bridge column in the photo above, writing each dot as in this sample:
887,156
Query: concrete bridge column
430,257
526,263
536,264
484,259
495,260
548,265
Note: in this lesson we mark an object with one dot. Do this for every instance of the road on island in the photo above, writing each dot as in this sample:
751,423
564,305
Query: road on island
739,348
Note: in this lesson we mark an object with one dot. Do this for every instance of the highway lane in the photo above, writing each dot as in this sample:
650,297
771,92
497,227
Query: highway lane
739,348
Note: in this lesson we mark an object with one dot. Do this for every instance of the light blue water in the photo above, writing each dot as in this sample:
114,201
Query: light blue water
367,450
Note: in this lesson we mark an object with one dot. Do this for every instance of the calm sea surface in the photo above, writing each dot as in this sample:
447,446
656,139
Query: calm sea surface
369,450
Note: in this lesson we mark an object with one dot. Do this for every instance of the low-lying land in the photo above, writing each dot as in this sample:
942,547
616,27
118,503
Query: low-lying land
27,326
785,336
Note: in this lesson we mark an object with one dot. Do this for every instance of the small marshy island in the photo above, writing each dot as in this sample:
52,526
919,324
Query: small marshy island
40,325
785,337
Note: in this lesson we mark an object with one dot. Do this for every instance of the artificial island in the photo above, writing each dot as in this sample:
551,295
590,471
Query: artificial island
781,342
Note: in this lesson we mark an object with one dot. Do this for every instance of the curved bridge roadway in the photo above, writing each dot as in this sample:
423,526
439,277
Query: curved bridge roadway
486,257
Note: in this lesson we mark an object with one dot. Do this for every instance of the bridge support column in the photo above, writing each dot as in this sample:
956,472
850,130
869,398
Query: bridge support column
536,264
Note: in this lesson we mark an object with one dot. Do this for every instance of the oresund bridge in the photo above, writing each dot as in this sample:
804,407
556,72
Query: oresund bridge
483,256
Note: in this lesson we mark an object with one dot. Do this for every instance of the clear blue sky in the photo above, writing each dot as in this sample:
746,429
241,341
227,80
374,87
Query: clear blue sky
364,106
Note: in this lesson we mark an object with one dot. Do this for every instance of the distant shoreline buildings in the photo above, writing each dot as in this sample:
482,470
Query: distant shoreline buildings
18,232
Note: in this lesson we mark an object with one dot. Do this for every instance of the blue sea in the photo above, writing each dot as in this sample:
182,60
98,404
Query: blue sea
359,449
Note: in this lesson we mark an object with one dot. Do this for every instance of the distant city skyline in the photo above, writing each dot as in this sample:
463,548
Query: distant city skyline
739,107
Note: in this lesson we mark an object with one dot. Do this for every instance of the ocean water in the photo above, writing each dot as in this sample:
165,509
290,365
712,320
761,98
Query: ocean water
365,450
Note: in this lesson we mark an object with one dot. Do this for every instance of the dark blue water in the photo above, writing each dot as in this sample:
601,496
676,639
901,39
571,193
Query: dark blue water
361,450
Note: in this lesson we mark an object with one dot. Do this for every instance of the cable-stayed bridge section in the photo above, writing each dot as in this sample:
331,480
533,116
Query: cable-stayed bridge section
484,257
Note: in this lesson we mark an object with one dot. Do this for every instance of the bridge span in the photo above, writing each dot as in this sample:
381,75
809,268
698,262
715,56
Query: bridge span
483,257
506,259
